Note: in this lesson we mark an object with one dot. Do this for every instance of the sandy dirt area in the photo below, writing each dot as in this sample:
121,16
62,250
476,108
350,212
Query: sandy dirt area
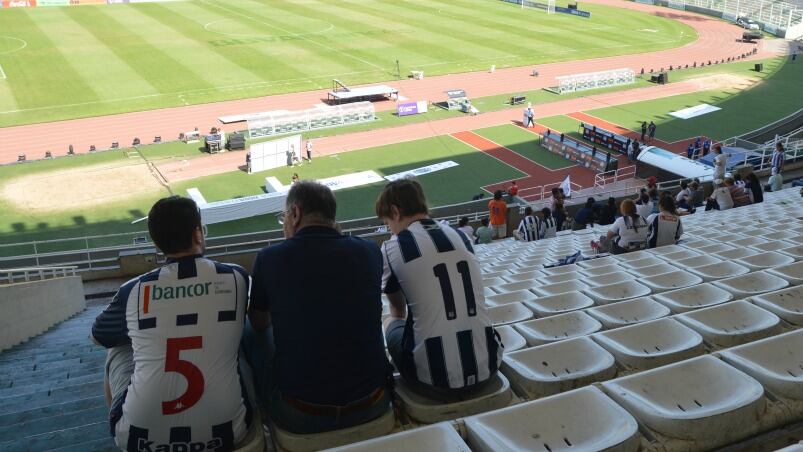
80,188
722,81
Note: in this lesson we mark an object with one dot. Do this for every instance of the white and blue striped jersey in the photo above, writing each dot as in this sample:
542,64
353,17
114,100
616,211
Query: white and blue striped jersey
184,322
548,229
448,333
529,228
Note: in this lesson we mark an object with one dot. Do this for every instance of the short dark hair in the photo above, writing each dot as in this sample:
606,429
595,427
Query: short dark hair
313,199
484,222
528,210
684,185
546,212
171,223
667,203
498,195
463,221
590,202
406,194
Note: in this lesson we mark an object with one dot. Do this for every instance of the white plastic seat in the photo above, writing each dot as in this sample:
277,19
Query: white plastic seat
524,276
496,274
559,304
653,270
488,291
752,284
786,304
667,249
776,362
695,297
641,263
703,400
651,344
505,287
603,270
510,297
719,270
792,272
598,262
631,256
620,291
440,436
493,395
794,251
765,259
558,367
562,269
696,261
493,282
714,248
736,253
610,278
748,241
629,312
583,420
509,313
671,281
731,324
557,328
294,442
773,245
559,288
675,256
511,339
560,277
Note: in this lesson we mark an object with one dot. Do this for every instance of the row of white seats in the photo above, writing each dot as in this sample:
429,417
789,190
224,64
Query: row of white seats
697,404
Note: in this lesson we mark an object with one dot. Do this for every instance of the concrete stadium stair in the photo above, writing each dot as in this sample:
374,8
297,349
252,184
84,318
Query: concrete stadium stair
51,391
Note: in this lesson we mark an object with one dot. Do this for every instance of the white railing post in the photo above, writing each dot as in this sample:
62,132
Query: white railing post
36,254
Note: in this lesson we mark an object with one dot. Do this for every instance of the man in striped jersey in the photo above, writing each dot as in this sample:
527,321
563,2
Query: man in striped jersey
445,345
173,334
529,226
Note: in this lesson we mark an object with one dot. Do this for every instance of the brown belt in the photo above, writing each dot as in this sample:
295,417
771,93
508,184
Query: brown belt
334,410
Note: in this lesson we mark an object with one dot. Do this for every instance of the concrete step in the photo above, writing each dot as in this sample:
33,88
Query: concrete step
51,385
45,425
55,409
50,375
98,445
59,438
39,399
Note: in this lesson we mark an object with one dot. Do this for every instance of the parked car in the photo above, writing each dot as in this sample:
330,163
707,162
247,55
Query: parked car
752,35
749,24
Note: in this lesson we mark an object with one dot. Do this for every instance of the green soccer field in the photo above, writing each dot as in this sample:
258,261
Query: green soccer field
68,62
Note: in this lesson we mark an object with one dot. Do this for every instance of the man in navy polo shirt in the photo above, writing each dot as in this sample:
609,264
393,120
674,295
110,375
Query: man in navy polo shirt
321,293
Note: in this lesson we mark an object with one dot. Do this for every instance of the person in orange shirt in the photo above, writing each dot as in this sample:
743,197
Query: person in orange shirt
498,210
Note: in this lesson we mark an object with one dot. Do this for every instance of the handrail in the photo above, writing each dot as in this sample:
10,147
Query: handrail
43,272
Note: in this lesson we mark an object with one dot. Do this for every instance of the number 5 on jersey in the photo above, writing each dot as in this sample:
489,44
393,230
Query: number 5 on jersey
195,379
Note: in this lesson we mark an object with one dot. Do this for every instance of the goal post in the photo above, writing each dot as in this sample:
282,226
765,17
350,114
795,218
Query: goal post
550,7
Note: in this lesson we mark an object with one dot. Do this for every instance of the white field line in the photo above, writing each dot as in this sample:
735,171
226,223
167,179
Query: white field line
2,73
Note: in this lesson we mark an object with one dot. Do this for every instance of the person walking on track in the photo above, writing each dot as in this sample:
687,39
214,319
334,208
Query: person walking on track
643,130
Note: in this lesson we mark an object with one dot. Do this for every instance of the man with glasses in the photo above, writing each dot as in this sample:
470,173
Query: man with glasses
329,370
172,376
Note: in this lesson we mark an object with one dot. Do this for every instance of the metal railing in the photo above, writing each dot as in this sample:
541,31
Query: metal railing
544,191
10,275
613,176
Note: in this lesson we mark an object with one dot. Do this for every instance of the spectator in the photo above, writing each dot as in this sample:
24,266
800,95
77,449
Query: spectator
738,195
585,216
665,227
643,130
549,227
697,196
441,340
684,198
737,180
775,182
484,233
558,210
720,162
498,210
465,228
529,226
295,179
189,312
753,187
608,214
644,205
651,130
778,158
320,291
706,147
513,191
690,150
628,232
721,196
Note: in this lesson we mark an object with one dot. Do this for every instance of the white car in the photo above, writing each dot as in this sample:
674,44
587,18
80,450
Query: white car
749,24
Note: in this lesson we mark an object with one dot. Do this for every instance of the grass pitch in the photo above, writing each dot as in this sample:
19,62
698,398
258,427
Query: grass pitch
70,62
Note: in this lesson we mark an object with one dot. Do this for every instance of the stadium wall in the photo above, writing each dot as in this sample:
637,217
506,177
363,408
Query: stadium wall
30,308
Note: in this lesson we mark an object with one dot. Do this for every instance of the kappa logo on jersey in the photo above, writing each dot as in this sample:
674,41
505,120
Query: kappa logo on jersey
143,445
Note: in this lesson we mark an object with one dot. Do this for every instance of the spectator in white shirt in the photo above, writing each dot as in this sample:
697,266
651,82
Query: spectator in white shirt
721,195
664,227
720,162
465,228
628,232
775,183
644,206
684,198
